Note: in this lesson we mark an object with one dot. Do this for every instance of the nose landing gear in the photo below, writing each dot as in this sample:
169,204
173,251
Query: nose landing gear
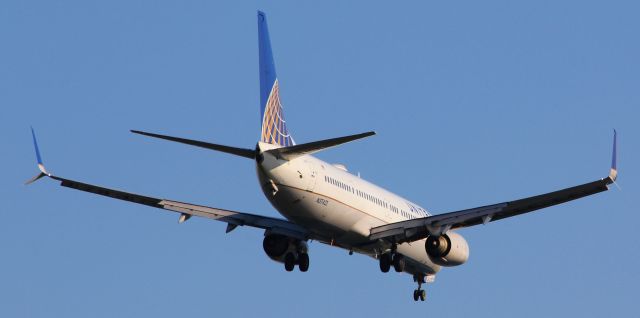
419,293
398,261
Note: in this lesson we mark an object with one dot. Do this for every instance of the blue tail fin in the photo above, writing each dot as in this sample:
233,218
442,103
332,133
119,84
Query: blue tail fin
274,127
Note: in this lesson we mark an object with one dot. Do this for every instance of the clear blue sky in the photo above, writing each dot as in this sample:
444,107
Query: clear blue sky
474,102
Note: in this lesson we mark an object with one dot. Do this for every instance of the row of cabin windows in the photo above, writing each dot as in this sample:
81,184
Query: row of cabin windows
369,197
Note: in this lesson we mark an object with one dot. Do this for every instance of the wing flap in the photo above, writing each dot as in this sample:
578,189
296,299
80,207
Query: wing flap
273,225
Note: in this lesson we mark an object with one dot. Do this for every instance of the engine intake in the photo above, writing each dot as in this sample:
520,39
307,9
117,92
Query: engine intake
276,246
449,249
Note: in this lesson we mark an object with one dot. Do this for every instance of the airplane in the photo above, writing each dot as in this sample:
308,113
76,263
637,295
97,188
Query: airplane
323,202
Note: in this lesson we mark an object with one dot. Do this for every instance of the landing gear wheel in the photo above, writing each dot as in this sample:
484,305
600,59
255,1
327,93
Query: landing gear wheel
303,262
398,262
419,293
385,262
289,262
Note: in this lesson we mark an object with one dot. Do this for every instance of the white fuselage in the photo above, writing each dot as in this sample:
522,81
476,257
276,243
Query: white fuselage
339,207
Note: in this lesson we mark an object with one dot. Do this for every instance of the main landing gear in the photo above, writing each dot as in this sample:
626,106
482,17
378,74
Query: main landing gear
397,260
392,258
290,261
419,293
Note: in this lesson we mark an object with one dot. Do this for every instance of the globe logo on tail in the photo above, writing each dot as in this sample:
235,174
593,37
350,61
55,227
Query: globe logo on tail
274,127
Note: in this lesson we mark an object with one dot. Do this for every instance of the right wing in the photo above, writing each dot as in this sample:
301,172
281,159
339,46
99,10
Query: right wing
232,218
416,229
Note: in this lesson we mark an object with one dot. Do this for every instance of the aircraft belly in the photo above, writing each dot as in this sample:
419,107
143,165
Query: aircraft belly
318,213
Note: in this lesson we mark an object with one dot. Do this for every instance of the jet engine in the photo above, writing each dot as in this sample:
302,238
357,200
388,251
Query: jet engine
449,249
276,246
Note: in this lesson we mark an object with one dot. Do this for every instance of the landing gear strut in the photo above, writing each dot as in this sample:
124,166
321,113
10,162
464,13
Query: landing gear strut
419,293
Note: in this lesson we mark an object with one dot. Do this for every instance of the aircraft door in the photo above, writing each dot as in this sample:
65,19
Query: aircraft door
310,174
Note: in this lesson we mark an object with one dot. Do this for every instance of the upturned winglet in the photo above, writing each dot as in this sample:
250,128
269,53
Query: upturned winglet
43,171
613,173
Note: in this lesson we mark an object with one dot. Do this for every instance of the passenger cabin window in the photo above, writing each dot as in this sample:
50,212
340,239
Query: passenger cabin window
376,200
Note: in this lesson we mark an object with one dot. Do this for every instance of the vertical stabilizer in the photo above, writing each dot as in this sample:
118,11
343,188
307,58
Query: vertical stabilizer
274,128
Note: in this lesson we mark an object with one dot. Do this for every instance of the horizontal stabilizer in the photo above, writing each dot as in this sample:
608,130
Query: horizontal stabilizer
242,152
292,152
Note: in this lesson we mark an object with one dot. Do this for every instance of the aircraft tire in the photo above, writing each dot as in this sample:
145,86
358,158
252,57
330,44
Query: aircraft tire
385,262
303,262
398,262
289,262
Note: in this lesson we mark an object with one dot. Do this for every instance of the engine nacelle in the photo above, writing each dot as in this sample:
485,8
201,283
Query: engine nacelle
449,249
276,246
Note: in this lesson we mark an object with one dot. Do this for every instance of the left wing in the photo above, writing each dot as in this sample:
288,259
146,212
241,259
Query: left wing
416,229
232,218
